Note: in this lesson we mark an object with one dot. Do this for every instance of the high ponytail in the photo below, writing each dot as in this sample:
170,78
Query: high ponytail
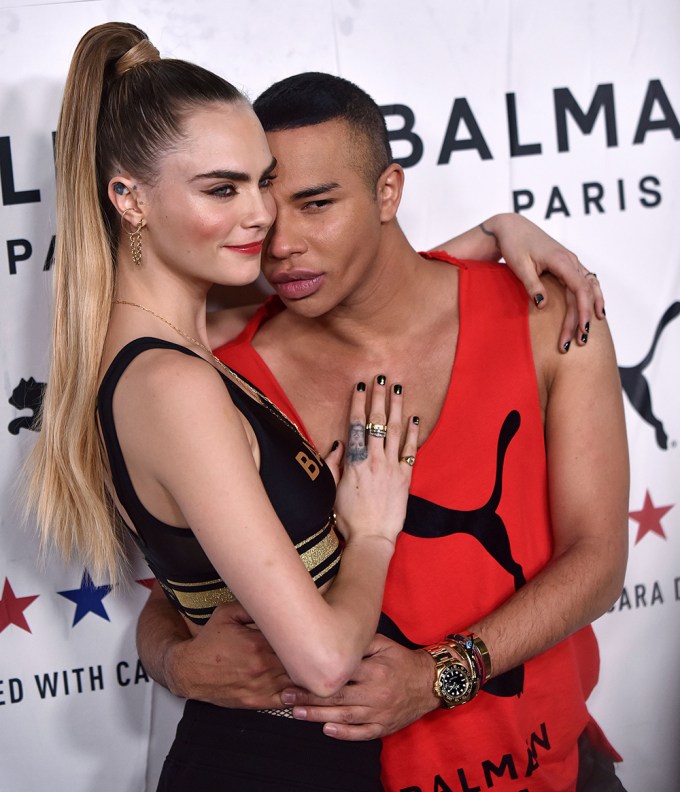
123,107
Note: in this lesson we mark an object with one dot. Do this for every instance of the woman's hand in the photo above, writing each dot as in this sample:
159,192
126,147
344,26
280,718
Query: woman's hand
373,490
529,252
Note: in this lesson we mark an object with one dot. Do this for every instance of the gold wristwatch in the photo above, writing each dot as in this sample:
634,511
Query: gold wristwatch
455,680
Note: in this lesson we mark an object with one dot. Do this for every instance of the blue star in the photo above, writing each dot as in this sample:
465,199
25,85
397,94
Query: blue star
88,598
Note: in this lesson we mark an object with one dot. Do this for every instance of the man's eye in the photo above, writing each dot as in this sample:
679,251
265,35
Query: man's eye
317,204
267,181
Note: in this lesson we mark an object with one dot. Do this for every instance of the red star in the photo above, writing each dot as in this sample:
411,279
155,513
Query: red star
649,518
147,582
12,608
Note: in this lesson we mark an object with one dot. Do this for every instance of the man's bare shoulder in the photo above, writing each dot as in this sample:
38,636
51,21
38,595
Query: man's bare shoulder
584,359
227,323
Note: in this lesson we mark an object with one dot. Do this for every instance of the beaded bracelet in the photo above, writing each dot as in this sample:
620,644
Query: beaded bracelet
477,653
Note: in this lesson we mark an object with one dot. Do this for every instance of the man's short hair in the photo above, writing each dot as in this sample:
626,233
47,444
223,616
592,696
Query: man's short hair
313,98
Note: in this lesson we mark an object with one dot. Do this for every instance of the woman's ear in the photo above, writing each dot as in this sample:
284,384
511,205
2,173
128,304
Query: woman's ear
123,193
389,189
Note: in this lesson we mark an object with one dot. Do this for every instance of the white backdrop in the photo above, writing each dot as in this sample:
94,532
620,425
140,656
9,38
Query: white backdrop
565,110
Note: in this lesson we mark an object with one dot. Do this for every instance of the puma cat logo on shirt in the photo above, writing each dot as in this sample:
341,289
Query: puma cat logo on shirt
428,520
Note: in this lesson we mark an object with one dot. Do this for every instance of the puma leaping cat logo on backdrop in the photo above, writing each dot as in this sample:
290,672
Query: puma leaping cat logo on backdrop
428,520
27,395
635,385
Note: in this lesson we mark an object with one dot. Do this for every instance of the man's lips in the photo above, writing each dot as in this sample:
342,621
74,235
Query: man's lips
295,284
251,249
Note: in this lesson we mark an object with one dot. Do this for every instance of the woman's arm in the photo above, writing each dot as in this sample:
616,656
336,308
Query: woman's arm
529,252
203,460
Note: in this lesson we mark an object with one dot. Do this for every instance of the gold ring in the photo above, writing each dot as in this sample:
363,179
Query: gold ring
376,430
410,460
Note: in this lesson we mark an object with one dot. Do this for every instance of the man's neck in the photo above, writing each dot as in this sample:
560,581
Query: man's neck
404,326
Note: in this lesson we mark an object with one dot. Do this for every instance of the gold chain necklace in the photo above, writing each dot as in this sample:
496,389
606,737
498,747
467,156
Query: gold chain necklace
254,392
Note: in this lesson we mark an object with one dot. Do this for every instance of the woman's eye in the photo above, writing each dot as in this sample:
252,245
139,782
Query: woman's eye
225,191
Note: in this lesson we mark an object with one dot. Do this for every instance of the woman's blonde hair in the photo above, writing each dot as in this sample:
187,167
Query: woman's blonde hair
123,108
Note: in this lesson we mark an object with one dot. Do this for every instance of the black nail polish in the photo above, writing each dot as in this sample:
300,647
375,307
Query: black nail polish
566,346
381,379
397,390
538,299
361,386
416,420
584,338
587,327
336,443
604,313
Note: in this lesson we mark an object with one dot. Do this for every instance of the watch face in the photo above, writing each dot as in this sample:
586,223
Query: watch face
454,682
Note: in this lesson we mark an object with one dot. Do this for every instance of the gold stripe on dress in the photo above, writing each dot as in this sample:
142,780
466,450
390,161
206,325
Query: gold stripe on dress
217,581
218,593
326,569
316,555
197,600
312,537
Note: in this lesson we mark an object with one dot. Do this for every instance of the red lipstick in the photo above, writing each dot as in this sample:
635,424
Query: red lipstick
251,249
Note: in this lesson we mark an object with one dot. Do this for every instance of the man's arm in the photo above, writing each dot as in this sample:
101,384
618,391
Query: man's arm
588,476
227,663
226,323
529,252
588,487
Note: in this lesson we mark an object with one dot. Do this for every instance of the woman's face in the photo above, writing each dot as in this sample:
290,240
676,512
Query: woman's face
211,207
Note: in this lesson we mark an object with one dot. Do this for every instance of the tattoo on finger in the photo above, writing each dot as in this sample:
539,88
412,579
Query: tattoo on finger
356,447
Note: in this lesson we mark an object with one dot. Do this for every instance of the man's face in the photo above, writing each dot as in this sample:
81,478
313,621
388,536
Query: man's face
319,255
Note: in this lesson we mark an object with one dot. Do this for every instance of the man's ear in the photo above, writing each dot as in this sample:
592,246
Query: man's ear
124,194
388,190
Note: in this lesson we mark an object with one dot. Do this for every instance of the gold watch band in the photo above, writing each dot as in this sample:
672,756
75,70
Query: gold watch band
452,667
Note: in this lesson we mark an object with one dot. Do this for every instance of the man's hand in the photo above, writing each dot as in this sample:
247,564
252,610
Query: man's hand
390,690
228,663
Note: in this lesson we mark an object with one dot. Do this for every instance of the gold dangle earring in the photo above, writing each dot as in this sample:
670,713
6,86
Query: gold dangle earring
135,238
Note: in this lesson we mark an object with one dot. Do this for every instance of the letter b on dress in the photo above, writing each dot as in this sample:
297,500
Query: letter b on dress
310,465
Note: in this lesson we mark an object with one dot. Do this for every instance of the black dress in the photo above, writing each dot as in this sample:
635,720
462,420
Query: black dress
224,749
